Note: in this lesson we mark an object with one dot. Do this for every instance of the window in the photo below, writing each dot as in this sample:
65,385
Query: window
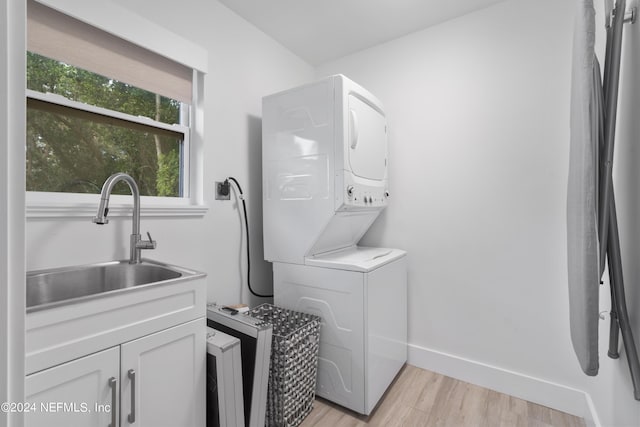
101,102
73,147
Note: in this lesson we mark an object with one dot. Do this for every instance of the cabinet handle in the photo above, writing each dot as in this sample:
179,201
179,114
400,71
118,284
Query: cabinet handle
132,416
113,383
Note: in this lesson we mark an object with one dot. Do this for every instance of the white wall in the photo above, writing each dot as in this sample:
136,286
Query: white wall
478,111
244,65
12,264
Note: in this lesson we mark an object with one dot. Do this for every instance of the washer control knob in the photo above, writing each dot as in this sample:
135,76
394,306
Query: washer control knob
350,191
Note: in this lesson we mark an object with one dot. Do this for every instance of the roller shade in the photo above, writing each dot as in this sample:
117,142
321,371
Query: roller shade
63,38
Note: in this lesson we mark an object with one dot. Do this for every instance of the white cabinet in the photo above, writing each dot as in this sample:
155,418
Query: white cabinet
59,334
163,378
78,393
157,380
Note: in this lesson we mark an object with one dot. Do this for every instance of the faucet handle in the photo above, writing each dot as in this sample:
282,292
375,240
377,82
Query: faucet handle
146,244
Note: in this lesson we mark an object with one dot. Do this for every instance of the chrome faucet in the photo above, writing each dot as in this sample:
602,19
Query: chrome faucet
136,242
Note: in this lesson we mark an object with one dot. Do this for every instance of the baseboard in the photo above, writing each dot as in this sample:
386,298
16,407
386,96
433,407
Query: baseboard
542,392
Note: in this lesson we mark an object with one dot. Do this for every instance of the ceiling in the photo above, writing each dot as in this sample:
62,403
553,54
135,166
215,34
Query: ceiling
321,30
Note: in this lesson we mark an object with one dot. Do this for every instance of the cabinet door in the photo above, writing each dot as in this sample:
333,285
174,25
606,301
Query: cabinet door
81,393
164,376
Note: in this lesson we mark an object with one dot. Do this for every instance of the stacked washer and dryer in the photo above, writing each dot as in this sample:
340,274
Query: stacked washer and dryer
324,150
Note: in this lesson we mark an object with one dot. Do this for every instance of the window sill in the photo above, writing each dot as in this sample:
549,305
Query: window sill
77,206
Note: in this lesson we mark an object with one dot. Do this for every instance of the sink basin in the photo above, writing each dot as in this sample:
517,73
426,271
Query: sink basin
46,288
79,310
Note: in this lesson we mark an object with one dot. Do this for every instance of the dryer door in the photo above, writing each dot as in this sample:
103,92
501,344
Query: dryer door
367,143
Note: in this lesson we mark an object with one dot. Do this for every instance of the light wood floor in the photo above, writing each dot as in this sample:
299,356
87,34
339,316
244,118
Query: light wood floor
423,398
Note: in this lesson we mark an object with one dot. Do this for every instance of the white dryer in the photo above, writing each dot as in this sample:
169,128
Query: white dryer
324,150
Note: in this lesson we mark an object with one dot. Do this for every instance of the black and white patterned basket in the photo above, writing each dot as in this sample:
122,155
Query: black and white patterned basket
294,364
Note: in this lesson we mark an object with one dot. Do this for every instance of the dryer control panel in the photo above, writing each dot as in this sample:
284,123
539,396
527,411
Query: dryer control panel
367,197
356,195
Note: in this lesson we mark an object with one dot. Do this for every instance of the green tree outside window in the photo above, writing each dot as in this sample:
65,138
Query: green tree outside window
75,151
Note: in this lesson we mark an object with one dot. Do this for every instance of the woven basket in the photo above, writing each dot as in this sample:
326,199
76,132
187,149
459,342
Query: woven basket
294,364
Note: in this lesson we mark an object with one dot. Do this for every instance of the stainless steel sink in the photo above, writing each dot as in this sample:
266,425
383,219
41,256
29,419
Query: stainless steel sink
46,288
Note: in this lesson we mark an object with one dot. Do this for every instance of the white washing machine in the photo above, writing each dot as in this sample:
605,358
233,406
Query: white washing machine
361,296
324,151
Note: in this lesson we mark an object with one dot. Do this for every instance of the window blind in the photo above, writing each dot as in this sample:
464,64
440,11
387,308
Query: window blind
66,39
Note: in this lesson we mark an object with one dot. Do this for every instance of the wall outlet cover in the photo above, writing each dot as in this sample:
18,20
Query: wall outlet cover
219,195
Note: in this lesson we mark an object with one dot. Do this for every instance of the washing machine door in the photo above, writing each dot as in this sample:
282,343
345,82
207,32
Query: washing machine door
367,140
